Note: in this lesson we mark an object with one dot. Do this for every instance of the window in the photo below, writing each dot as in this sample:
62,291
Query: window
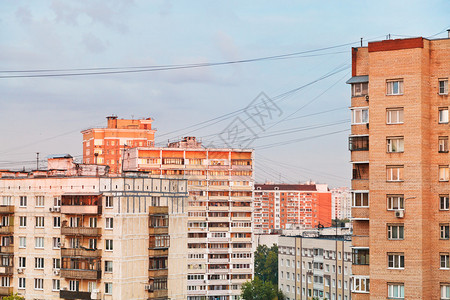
394,87
396,260
395,202
360,116
109,202
22,262
22,283
92,243
445,291
109,223
443,173
443,115
38,283
39,222
360,256
56,263
39,242
444,231
22,242
108,266
74,285
23,221
93,222
358,143
109,245
394,173
396,290
57,201
39,262
443,86
395,144
360,89
360,199
23,201
394,115
445,261
108,288
56,285
56,222
39,201
56,242
443,144
444,203
396,232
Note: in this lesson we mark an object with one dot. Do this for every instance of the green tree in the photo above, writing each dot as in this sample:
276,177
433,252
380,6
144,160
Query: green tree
266,263
260,290
13,297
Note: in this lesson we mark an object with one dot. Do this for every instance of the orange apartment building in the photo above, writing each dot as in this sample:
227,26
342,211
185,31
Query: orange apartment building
281,206
220,185
400,183
105,145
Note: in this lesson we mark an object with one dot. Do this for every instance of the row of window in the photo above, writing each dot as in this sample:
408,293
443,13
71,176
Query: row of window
74,285
74,222
395,173
56,263
394,87
74,243
394,202
360,115
39,201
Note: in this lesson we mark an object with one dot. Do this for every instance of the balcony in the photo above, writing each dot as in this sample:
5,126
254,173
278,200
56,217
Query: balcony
64,294
360,156
81,209
81,231
158,210
7,249
218,208
6,229
81,203
158,294
360,240
360,184
81,274
6,270
158,273
158,230
5,291
81,252
360,213
6,209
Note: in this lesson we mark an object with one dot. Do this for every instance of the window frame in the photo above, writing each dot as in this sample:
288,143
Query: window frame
391,228
443,144
444,233
391,199
395,144
360,110
400,292
444,261
391,170
39,284
442,117
364,89
362,198
443,89
400,111
396,261
444,202
390,87
444,173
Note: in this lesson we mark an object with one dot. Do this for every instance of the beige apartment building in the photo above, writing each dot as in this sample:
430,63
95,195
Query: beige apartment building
220,185
315,265
73,232
400,163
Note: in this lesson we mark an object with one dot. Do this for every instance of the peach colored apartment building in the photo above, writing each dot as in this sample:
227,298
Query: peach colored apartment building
281,206
400,163
74,232
105,145
220,185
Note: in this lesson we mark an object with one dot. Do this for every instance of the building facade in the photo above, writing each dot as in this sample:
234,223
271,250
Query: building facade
341,203
281,206
220,184
315,266
73,232
400,169
105,145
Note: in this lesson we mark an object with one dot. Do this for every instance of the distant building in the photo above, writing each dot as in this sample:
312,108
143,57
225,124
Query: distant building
220,185
315,265
105,145
74,232
341,203
281,206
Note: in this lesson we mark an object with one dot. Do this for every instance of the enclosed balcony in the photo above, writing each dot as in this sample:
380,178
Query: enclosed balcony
81,231
7,249
81,252
6,209
65,294
6,229
81,268
5,291
79,204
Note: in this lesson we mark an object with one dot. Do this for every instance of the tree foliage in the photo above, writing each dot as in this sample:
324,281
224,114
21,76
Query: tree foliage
260,290
266,263
13,297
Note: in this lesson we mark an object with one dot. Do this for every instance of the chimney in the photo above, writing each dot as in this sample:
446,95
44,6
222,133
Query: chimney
112,121
448,32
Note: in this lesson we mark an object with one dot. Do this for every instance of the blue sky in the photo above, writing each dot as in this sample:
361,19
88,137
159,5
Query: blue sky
46,115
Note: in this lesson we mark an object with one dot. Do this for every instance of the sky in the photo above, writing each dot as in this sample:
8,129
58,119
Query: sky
286,98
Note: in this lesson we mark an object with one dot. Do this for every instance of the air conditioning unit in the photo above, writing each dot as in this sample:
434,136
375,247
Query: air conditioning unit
148,287
55,272
95,294
51,209
19,271
367,97
399,213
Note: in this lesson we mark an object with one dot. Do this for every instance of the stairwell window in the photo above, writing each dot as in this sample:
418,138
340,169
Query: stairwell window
444,261
394,115
394,173
396,261
396,232
445,291
444,229
395,202
394,87
360,115
443,202
443,115
395,144
443,86
443,173
443,144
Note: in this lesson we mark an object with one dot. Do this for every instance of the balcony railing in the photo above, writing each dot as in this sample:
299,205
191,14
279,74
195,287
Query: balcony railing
6,270
81,209
5,291
71,252
83,231
6,229
81,274
6,209
64,294
158,210
7,249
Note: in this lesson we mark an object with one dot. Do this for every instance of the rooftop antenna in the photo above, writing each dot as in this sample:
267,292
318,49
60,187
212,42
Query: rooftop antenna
361,41
37,161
